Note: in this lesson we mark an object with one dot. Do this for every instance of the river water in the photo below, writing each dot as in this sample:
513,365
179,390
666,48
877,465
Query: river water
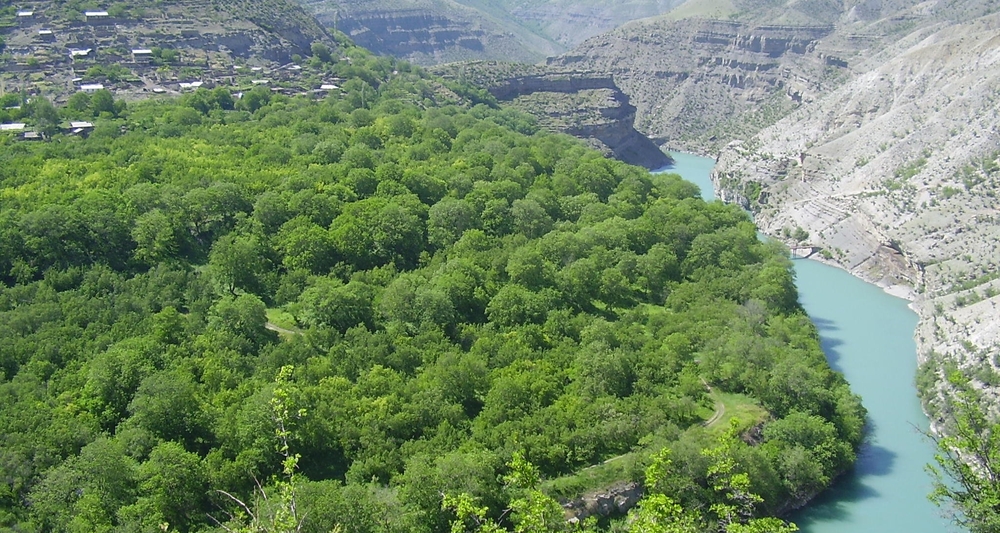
868,336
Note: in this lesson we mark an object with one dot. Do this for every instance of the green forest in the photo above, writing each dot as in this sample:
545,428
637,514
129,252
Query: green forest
399,308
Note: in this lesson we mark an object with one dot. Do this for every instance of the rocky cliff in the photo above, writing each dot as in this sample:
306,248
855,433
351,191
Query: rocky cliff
615,500
896,175
699,83
588,105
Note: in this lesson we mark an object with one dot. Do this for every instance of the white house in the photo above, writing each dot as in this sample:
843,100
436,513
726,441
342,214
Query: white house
15,126
91,87
96,15
81,53
142,55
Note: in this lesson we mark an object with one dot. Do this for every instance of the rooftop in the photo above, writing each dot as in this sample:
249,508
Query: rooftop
95,13
16,126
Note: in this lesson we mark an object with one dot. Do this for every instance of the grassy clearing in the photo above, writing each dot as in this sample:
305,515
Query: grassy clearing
283,320
630,466
738,406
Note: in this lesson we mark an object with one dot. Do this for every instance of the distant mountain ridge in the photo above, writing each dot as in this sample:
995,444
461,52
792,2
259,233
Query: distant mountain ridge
442,31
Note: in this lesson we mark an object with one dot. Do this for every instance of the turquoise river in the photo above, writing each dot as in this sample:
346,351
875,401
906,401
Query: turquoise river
868,336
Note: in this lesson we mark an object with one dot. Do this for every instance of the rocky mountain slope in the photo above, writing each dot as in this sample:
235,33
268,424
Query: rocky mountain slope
895,176
698,83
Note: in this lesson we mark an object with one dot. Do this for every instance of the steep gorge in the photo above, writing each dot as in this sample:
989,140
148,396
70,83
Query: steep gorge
698,83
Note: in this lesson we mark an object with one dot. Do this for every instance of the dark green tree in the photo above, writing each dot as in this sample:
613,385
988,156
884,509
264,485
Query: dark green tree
967,470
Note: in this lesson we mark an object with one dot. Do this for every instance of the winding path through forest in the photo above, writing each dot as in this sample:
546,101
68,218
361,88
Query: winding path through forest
276,328
720,407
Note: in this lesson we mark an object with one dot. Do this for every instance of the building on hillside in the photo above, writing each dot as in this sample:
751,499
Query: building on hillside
190,85
91,87
46,36
25,15
142,55
96,16
32,136
14,126
81,54
80,128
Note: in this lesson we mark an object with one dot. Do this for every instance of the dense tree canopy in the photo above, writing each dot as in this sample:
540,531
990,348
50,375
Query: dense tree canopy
454,289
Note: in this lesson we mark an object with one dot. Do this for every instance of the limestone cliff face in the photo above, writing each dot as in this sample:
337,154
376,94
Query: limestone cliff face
570,82
896,175
699,83
587,105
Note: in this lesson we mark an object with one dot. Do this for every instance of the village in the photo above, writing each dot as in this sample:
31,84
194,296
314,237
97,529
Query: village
138,55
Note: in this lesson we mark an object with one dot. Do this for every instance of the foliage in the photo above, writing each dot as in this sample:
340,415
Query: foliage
968,459
462,288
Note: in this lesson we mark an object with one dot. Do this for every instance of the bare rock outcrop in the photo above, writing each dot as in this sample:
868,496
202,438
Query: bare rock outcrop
615,500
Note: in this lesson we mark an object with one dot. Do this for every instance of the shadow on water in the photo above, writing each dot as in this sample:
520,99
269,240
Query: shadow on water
824,324
874,460
828,343
836,503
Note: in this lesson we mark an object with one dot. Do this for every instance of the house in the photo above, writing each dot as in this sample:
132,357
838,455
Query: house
96,16
80,128
15,126
328,87
260,82
32,136
46,36
142,55
22,15
91,87
191,85
80,54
